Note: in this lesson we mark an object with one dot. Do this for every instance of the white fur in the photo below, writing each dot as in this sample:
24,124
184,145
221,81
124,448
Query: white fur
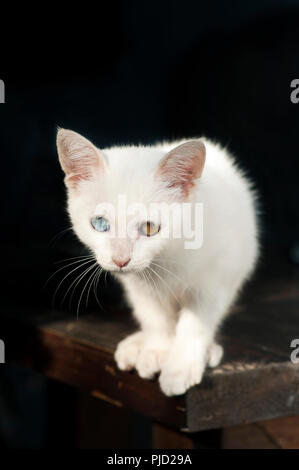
180,308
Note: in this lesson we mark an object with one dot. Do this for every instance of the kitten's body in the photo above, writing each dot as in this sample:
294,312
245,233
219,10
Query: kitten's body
179,296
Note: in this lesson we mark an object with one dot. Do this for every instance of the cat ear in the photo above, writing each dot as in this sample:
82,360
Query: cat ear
78,157
182,166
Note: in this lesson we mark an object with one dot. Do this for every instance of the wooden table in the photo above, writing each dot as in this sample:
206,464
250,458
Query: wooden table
256,380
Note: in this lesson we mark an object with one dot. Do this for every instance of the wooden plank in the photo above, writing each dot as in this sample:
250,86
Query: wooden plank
284,432
281,433
164,437
255,381
235,397
49,350
247,436
95,424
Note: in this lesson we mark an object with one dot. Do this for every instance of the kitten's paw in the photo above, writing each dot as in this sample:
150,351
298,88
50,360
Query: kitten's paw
152,357
184,367
146,353
215,353
176,380
186,364
127,351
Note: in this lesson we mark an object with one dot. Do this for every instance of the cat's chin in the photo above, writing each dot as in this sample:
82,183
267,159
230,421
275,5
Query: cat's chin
115,270
121,271
126,270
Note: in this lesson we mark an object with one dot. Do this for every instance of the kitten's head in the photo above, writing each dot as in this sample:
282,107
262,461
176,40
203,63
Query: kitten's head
117,197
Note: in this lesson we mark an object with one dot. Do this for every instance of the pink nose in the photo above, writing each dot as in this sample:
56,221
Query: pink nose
121,262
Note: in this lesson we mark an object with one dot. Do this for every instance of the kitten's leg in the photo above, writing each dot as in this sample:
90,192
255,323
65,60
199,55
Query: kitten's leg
147,349
127,351
193,347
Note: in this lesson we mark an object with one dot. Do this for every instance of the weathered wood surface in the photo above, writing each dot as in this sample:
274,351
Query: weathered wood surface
255,381
281,433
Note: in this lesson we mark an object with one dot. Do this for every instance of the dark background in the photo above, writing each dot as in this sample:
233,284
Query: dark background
130,72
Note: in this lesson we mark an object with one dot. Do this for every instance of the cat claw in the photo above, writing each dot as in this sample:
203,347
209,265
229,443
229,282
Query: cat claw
215,354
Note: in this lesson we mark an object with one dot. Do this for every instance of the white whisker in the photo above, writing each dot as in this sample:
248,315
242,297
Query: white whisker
170,272
91,283
95,287
65,277
83,290
77,282
64,267
74,257
59,235
165,283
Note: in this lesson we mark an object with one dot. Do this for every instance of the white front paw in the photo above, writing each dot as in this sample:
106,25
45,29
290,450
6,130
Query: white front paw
144,352
186,364
127,351
176,379
152,356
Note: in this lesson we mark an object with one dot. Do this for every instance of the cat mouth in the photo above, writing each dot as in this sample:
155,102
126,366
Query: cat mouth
121,270
127,270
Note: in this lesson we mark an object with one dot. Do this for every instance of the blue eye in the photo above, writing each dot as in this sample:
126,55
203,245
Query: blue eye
100,224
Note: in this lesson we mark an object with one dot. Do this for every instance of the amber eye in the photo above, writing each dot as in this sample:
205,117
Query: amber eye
148,229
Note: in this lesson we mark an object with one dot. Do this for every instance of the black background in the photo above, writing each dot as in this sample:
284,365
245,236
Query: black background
138,72
130,72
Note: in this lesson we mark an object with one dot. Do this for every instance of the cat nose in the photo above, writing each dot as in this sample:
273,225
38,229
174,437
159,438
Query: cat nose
121,262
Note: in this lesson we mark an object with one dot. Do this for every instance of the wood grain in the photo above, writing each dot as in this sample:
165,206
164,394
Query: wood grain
255,381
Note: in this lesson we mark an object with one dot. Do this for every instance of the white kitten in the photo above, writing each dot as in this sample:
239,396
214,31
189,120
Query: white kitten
179,296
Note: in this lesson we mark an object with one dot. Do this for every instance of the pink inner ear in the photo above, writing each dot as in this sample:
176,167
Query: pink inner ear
182,166
78,157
